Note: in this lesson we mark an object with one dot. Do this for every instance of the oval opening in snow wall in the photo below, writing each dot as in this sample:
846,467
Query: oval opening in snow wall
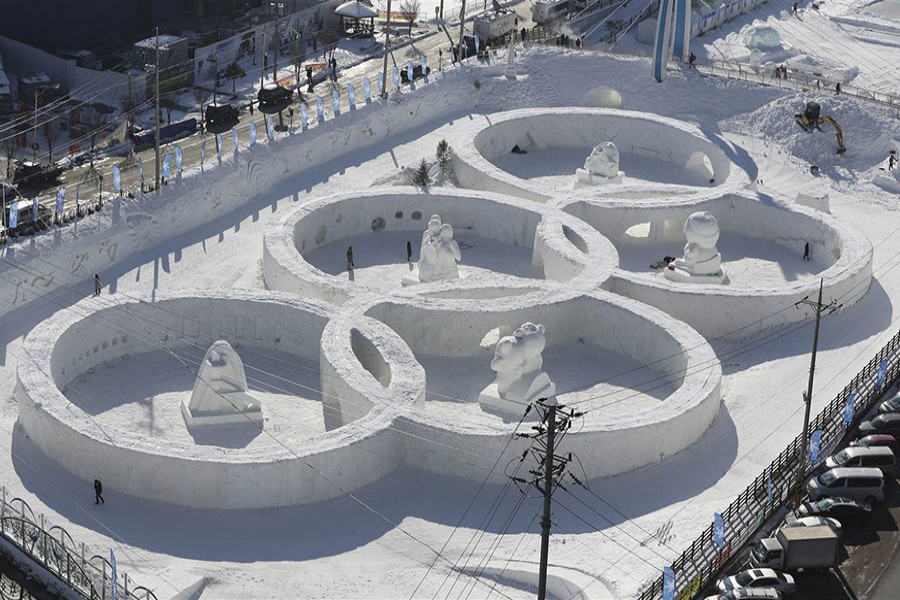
370,357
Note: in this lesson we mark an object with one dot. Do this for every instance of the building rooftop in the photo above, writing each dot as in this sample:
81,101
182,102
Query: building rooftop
164,40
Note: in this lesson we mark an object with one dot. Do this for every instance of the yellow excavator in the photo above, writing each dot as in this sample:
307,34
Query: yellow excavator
812,118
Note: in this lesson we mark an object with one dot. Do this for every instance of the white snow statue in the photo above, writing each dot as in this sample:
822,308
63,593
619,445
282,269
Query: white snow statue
602,166
520,378
220,393
437,256
701,262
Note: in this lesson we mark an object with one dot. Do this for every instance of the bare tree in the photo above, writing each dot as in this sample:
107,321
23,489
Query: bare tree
8,147
201,95
410,11
51,134
95,120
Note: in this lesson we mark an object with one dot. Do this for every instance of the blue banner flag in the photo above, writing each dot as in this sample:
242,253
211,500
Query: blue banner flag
219,148
351,96
668,583
320,110
882,373
424,66
770,489
234,138
113,576
167,165
718,533
304,116
409,72
35,209
380,84
141,171
477,44
367,90
60,200
13,215
270,128
815,442
117,179
850,407
396,74
252,128
179,158
336,101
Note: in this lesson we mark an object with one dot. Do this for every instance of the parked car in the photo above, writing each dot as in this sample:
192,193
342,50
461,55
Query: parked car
884,423
891,405
859,483
879,457
757,578
876,439
843,509
815,521
273,98
221,117
748,594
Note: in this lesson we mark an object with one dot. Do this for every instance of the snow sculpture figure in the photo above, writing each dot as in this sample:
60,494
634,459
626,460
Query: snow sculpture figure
520,378
511,62
220,393
602,166
437,256
702,262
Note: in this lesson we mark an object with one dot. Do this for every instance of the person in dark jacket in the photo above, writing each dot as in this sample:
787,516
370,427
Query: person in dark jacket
349,258
408,251
98,492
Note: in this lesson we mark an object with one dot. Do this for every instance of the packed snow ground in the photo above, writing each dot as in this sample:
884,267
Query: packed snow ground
341,548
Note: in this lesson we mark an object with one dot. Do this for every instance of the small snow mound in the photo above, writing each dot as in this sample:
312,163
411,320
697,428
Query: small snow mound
763,38
603,97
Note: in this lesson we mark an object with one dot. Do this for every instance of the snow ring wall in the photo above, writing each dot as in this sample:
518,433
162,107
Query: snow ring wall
721,310
454,329
564,249
371,388
481,141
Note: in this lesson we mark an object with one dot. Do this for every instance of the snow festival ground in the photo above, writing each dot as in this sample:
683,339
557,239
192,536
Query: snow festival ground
382,542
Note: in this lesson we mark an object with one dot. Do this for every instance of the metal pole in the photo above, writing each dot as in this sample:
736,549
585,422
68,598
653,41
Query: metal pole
277,43
548,490
809,388
462,29
156,141
387,50
34,142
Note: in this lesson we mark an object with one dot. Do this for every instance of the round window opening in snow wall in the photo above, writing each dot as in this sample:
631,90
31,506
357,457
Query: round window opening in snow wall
378,224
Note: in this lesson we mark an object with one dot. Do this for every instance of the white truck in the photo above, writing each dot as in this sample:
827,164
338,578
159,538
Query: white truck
492,27
795,548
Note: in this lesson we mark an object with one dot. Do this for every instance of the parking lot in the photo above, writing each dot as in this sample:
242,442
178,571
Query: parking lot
870,568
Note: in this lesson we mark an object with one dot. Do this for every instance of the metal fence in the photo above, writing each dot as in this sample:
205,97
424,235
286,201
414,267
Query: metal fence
702,561
90,575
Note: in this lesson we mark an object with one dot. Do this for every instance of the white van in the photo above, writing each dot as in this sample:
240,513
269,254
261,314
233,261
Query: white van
881,457
748,594
859,483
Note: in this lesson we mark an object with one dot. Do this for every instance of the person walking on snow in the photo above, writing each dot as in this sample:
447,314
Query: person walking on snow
892,161
794,9
98,492
349,258
97,285
691,60
806,251
408,251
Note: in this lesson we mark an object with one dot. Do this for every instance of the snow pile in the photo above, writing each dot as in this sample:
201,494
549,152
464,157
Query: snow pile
866,131
763,38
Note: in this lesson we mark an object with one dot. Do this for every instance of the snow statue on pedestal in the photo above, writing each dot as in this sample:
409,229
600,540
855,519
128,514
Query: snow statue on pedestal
437,256
602,166
702,262
520,379
220,393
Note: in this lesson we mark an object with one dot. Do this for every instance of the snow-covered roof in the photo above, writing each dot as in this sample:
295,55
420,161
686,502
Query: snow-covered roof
356,10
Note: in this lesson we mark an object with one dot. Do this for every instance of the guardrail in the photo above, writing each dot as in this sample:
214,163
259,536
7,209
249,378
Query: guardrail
702,561
56,551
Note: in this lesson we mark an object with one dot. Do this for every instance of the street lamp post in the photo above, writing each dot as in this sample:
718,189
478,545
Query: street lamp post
387,50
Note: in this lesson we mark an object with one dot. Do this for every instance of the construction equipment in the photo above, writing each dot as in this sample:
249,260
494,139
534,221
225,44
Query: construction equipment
812,118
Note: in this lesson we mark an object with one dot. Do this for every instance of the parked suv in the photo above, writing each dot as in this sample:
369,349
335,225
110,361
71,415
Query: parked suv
885,423
858,483
880,457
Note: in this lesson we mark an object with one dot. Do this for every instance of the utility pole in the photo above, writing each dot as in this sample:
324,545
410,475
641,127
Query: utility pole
387,50
462,29
555,421
277,44
156,94
818,308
